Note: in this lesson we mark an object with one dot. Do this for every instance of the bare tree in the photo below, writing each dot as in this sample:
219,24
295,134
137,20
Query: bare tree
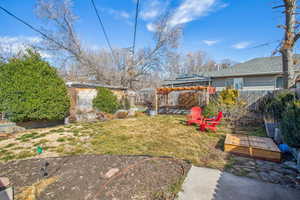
226,63
173,65
98,66
65,43
291,36
166,37
195,62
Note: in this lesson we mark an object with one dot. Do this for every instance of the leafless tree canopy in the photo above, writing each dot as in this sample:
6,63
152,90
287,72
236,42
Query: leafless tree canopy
85,64
146,68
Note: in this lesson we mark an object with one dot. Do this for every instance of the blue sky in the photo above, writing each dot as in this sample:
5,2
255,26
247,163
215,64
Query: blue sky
222,28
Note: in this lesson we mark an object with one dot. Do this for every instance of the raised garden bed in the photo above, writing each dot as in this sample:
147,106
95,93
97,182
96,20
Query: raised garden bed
252,146
40,124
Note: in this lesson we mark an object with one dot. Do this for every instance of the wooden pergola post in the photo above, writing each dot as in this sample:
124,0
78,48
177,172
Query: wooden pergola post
167,99
207,96
156,102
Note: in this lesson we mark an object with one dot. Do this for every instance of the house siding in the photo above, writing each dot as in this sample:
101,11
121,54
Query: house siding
250,82
219,83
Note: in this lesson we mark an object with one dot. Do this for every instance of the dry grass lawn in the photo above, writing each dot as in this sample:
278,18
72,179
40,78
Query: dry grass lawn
163,135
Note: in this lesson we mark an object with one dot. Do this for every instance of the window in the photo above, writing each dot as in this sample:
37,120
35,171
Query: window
279,82
229,82
238,83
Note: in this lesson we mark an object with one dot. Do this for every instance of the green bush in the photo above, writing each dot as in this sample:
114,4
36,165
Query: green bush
277,103
290,124
210,110
106,101
30,89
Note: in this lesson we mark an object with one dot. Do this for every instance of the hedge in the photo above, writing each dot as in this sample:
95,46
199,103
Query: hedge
290,124
30,89
106,101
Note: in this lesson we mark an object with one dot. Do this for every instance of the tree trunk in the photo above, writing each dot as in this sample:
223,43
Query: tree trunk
287,68
288,43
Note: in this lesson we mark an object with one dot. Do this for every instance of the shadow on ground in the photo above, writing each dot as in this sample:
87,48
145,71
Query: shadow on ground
85,176
233,187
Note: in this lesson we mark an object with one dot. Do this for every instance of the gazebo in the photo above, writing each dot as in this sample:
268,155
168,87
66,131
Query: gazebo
165,91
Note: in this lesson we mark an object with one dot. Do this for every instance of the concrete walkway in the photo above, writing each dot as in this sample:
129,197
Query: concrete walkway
210,184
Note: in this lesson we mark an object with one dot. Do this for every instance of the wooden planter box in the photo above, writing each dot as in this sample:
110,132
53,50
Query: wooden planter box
40,124
252,146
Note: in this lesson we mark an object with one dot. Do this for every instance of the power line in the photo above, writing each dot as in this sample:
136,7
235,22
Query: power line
103,29
135,25
33,28
262,45
265,44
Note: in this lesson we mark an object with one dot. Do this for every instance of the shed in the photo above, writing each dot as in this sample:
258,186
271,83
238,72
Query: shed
82,95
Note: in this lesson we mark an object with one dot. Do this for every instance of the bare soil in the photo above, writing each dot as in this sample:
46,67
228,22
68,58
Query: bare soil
83,177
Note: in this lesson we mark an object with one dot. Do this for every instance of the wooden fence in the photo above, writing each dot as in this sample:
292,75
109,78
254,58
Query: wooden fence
251,97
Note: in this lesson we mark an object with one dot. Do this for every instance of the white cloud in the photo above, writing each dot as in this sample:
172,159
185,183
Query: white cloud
152,9
150,14
8,39
151,27
124,14
224,5
13,45
210,42
120,14
241,45
187,11
190,10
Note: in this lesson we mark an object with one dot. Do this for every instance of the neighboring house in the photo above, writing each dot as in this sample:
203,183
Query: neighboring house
187,80
259,74
256,74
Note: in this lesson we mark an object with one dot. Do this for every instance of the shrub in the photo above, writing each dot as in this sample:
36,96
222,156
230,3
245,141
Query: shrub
229,96
229,103
277,103
30,89
106,101
210,110
290,124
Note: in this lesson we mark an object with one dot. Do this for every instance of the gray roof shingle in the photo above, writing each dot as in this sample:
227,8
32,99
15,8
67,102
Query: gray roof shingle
256,66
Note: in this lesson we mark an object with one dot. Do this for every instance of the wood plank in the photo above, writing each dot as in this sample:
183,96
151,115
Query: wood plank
253,146
263,143
239,140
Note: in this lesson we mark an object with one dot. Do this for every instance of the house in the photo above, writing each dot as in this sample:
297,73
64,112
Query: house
258,74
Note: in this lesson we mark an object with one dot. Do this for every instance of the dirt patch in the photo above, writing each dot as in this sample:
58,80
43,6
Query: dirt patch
83,177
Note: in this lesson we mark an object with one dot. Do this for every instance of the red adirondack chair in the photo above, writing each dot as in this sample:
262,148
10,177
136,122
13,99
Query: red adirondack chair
211,123
195,117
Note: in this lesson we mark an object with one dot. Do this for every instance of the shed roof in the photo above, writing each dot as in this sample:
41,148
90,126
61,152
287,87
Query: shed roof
256,66
93,85
186,78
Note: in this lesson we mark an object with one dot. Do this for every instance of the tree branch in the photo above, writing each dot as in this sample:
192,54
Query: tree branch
281,6
297,36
